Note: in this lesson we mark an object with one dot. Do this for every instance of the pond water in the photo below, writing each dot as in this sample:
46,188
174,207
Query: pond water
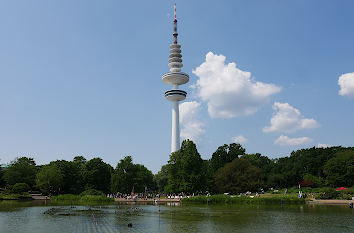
37,217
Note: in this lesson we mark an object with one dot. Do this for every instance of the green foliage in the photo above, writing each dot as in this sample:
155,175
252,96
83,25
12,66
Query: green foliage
339,170
49,179
20,188
128,175
97,198
2,181
305,161
21,170
97,175
92,192
225,154
72,176
318,181
237,176
226,199
161,178
81,198
14,196
79,160
276,180
66,197
186,171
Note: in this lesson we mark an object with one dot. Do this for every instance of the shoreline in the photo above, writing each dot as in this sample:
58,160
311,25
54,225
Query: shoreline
329,202
150,200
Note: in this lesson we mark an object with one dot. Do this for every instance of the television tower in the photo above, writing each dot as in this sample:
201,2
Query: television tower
175,78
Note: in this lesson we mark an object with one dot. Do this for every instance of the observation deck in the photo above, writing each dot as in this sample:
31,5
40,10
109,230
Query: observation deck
175,95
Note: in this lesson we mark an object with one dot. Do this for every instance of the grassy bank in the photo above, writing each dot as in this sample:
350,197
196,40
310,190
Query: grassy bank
225,199
13,196
81,198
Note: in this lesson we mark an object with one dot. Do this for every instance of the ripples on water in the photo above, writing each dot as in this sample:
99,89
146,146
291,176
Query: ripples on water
36,217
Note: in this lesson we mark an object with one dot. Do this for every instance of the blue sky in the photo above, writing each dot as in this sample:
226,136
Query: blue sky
84,77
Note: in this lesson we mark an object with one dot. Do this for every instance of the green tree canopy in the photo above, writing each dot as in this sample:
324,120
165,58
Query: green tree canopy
50,179
79,160
21,170
238,176
20,188
161,178
340,169
72,173
225,154
128,175
97,175
185,170
303,162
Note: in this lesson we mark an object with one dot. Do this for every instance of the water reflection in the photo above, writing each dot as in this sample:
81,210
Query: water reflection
96,217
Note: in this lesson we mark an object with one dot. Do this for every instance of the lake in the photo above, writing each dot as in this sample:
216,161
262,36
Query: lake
38,217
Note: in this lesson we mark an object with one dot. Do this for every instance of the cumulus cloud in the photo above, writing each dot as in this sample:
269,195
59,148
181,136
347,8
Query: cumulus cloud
239,139
288,119
321,145
229,91
286,141
346,83
192,127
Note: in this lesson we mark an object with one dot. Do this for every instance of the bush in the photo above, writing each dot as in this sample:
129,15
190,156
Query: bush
66,197
225,199
93,192
20,188
331,193
82,198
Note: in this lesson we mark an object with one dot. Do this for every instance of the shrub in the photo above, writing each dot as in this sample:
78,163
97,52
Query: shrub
20,188
225,199
93,192
81,198
331,193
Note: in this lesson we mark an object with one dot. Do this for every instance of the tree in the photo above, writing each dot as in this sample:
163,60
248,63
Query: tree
79,160
20,188
21,170
2,182
97,175
161,178
237,176
340,169
185,170
262,162
50,179
128,175
303,162
225,154
72,174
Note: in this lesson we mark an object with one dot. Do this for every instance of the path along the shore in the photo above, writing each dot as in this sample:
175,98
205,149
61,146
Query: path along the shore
330,202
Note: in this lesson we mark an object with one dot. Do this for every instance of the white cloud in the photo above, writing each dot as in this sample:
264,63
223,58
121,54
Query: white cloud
321,145
288,119
229,91
192,127
346,83
286,141
239,139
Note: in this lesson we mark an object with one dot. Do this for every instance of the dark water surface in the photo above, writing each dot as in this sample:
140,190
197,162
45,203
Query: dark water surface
36,217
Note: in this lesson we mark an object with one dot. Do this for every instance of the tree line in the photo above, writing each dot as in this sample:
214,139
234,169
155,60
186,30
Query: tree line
230,169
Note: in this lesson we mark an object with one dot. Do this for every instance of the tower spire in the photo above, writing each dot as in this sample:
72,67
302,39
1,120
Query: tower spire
175,34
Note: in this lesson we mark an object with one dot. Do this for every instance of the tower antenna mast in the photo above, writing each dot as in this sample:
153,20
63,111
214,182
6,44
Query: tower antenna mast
175,34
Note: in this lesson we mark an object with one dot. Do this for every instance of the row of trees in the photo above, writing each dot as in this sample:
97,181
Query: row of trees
230,169
76,176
